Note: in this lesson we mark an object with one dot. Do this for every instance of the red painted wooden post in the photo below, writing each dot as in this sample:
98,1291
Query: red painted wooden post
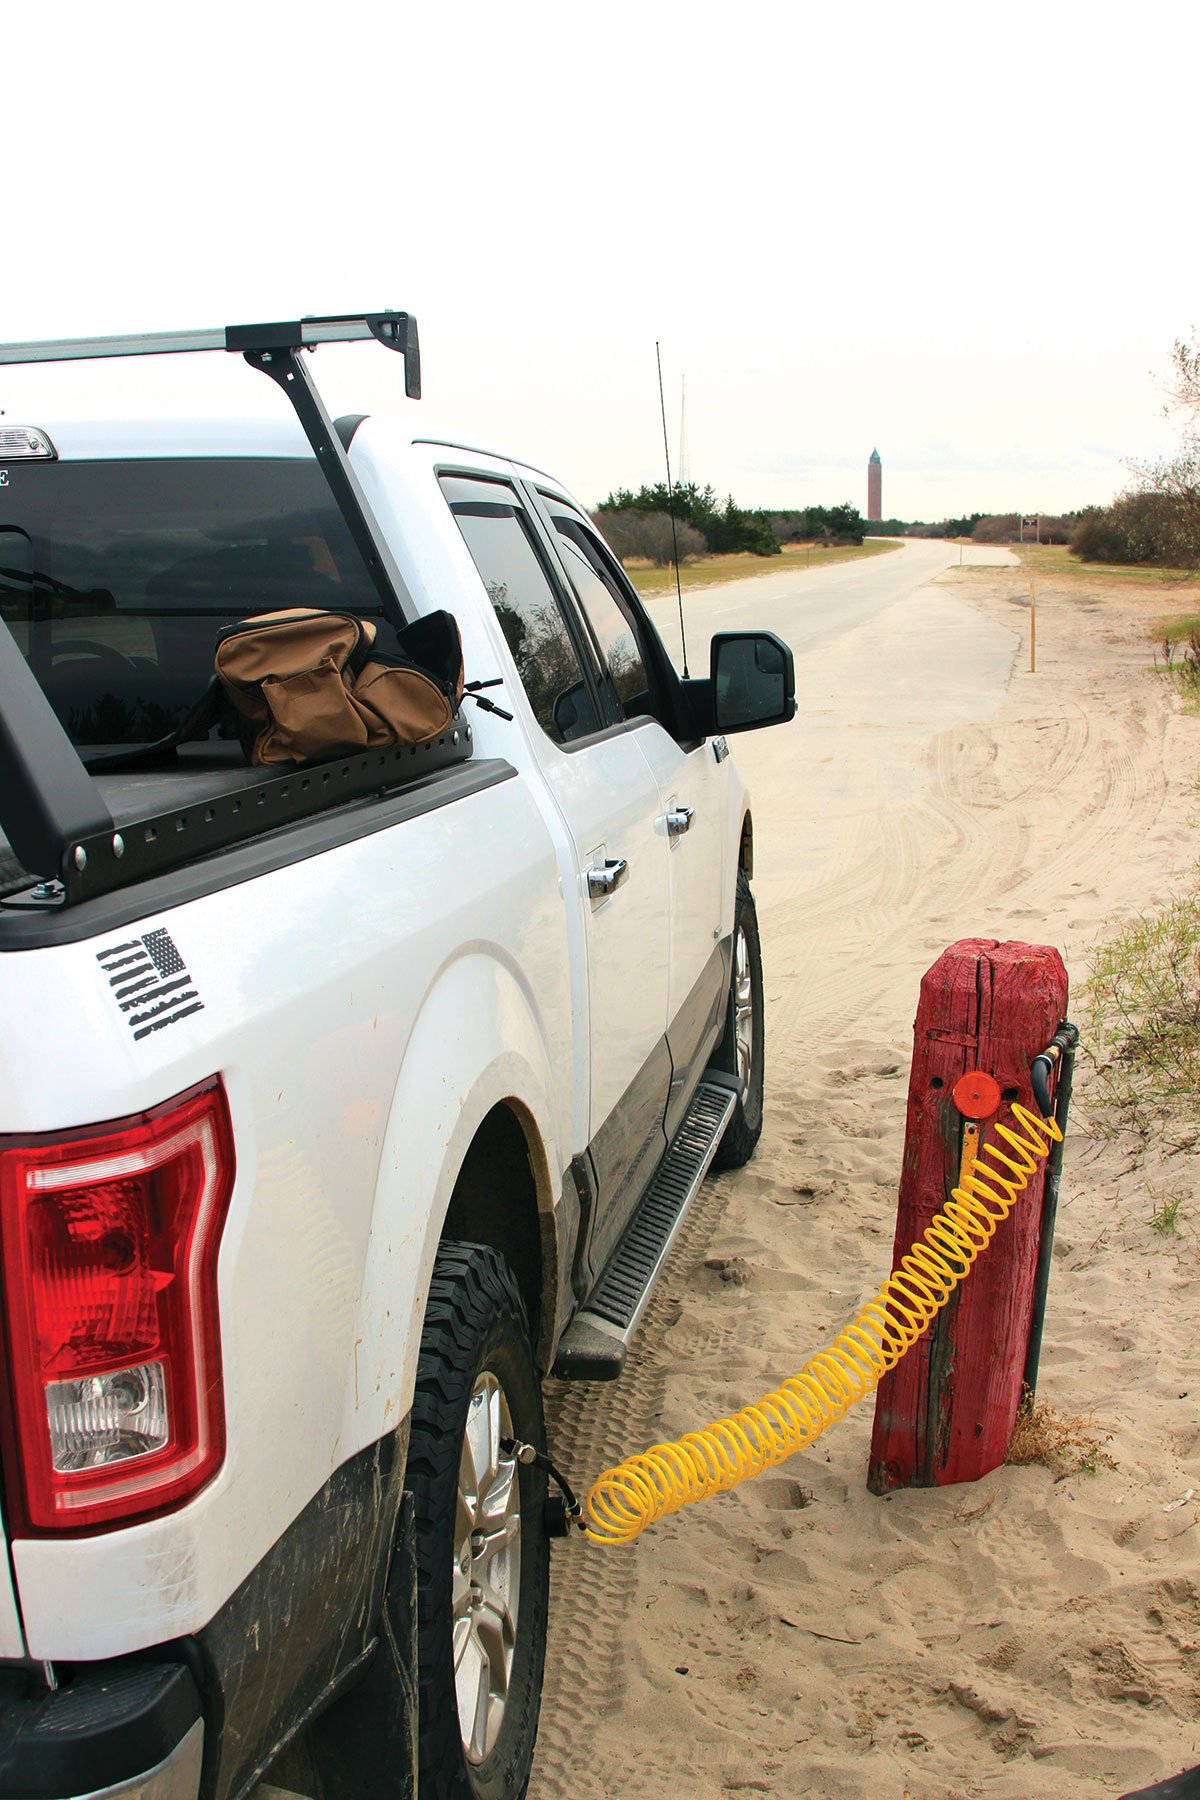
946,1412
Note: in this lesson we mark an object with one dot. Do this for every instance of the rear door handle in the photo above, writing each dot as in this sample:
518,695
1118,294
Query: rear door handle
679,820
607,879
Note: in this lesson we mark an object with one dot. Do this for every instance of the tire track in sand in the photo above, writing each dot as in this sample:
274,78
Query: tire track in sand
590,1426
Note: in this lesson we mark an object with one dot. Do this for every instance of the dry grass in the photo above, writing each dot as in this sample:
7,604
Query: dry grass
1054,564
1064,1443
1168,602
709,571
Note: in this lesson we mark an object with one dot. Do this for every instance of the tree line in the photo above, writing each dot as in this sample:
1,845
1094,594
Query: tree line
922,528
639,524
984,528
1156,519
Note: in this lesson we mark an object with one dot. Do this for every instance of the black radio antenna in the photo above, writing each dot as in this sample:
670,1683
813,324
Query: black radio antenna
671,508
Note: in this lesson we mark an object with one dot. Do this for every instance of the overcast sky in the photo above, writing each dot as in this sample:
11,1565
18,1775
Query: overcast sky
965,234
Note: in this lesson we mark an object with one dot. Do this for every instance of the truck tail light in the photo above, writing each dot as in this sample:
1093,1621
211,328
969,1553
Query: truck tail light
109,1240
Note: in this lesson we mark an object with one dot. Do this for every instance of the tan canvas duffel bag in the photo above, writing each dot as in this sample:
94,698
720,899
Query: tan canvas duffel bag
306,685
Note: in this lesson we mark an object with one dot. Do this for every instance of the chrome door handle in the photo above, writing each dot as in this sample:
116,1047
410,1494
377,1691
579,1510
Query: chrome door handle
679,820
606,879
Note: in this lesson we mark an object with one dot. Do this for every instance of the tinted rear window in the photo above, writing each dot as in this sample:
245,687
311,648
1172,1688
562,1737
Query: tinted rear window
116,577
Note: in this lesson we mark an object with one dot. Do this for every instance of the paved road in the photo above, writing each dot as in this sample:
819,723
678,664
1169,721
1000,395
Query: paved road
885,656
811,606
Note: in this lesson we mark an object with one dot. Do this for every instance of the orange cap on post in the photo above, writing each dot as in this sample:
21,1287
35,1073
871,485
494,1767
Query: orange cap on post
976,1095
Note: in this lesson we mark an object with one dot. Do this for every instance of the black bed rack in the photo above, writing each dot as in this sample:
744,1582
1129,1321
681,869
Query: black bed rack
51,810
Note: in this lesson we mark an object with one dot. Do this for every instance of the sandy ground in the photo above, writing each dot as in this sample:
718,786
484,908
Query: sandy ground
1021,1637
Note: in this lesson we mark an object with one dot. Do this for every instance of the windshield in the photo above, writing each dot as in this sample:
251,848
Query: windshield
116,577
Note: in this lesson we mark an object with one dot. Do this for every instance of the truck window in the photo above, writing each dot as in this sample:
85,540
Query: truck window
619,648
116,576
16,583
495,531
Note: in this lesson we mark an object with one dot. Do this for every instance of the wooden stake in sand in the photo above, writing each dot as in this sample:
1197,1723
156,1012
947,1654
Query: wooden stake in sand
946,1413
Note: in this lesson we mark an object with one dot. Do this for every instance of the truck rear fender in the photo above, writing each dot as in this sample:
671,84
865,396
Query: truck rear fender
475,1047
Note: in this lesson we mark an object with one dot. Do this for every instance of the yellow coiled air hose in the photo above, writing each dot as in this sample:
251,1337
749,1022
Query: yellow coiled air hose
667,1477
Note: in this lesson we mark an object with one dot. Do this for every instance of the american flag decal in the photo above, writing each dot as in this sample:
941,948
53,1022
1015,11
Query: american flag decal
149,982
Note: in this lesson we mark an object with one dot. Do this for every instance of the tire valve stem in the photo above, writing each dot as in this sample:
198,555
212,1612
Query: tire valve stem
562,1509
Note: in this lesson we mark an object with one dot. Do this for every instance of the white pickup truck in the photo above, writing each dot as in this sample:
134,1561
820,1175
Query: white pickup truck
338,1103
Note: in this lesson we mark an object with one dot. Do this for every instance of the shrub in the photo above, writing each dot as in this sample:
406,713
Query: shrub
1041,528
649,535
997,528
818,525
723,528
1099,537
1056,530
1154,524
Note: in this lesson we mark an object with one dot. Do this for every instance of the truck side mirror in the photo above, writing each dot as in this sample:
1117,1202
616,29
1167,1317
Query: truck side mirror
753,681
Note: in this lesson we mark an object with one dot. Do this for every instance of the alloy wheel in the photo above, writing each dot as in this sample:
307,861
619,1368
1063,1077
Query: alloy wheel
487,1569
743,1012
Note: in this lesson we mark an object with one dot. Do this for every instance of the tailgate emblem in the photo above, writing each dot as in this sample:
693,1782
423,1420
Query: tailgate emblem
149,982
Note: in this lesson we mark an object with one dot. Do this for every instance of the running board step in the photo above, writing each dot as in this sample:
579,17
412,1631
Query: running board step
594,1344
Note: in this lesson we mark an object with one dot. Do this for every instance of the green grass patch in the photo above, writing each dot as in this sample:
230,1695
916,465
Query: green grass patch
1177,658
1176,628
706,571
1165,1215
1143,1030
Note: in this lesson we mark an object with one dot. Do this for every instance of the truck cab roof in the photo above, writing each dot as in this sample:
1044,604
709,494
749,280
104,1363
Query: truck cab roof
253,435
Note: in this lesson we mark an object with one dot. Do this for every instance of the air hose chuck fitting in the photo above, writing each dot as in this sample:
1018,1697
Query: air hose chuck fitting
562,1509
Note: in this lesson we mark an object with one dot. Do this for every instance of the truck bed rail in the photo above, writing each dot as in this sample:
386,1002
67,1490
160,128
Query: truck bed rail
207,802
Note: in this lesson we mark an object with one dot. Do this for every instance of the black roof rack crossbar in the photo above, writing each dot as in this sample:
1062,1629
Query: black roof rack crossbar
275,348
396,330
